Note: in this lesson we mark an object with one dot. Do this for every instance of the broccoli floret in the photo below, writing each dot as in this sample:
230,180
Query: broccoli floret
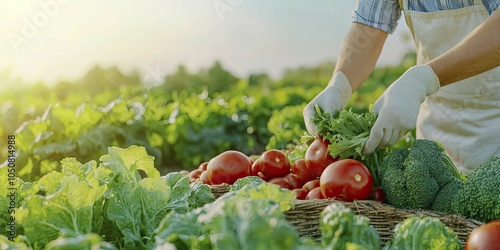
392,181
480,196
341,228
422,232
447,195
422,188
443,170
412,179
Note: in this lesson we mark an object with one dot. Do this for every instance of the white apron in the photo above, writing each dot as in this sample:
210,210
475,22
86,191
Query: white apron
463,116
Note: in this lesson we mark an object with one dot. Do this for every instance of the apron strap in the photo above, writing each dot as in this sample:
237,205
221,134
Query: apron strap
404,8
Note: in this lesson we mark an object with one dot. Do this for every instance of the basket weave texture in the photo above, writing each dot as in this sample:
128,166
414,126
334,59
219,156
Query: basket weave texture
305,216
383,217
219,190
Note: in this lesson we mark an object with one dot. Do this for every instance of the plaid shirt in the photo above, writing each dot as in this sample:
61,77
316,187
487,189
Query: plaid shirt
384,14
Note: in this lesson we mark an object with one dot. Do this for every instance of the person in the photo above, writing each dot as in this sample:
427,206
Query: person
452,95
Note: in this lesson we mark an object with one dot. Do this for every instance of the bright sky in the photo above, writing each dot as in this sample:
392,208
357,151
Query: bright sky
50,40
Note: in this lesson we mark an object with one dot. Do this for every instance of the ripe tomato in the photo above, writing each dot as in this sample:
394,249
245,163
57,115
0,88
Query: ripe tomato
195,174
310,185
315,194
300,193
346,180
228,167
259,174
293,179
318,157
203,166
204,178
377,194
484,237
299,168
255,168
282,182
272,163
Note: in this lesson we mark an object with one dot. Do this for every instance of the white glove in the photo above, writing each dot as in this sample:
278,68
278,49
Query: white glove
334,97
399,105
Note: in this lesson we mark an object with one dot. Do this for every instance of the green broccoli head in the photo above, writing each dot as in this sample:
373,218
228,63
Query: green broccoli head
411,178
392,181
480,196
423,232
441,167
341,228
446,197
422,187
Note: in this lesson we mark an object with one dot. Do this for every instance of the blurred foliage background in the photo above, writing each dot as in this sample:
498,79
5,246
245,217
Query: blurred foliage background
187,119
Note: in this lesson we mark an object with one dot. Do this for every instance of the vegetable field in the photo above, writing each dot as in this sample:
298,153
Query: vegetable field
186,120
105,162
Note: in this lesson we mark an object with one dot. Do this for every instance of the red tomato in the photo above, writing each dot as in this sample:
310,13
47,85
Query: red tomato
259,174
318,157
300,193
346,180
204,178
255,168
310,185
228,167
314,194
299,168
272,163
195,174
484,237
377,194
294,180
203,166
282,182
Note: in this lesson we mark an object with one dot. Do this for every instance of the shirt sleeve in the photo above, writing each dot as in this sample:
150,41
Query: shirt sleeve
379,14
492,5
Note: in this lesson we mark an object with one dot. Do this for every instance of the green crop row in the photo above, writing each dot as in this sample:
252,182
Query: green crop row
186,120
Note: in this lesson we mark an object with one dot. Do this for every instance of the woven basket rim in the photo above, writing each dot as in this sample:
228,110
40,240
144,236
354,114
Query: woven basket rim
305,214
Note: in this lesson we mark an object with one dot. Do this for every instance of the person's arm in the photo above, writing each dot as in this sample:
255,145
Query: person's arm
477,53
399,105
359,53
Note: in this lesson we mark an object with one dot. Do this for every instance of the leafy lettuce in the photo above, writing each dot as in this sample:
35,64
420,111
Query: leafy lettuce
123,199
251,217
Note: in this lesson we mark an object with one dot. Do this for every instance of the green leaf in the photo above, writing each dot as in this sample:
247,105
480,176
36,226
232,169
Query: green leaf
67,212
200,195
284,197
12,193
125,163
255,225
124,209
180,191
49,150
71,166
5,193
341,228
17,244
347,133
237,222
51,182
155,194
80,242
253,181
181,230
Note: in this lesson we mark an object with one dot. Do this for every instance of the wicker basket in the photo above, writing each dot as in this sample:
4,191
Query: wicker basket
384,218
219,190
305,216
